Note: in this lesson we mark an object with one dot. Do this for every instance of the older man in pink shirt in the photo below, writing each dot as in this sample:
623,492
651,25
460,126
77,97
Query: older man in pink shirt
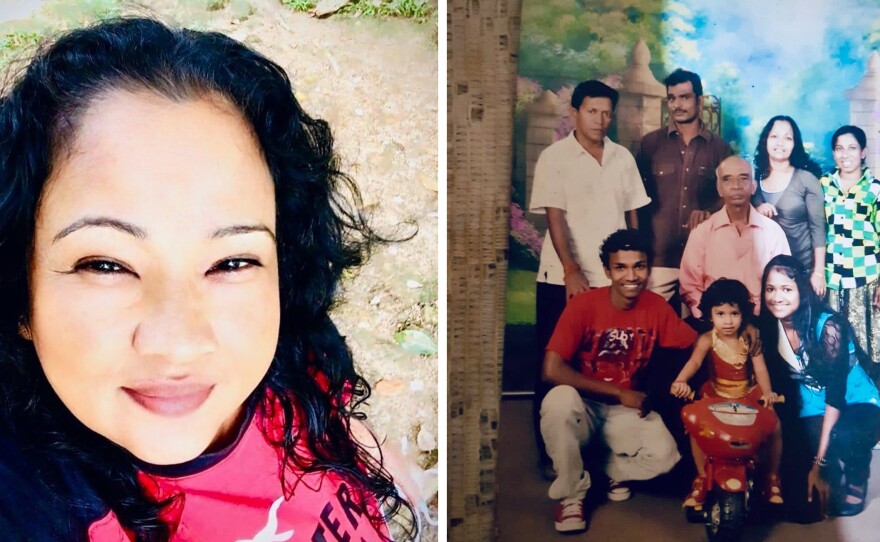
735,243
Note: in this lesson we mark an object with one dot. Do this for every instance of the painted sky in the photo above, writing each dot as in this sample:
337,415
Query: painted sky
768,57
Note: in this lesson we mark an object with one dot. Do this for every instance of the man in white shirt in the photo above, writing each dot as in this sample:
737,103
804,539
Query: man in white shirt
589,187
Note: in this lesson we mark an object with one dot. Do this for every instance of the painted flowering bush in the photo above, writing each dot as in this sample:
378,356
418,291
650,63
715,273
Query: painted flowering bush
527,91
564,124
524,233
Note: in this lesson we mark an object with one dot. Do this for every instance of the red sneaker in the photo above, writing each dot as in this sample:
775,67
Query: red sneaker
570,516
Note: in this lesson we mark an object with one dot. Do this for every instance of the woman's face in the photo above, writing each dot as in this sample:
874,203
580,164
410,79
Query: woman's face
154,278
848,154
780,141
781,295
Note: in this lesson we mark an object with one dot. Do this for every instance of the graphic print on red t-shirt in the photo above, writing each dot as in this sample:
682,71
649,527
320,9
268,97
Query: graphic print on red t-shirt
611,344
617,354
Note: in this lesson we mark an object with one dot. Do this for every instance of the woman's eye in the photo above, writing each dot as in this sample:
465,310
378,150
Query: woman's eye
232,265
101,267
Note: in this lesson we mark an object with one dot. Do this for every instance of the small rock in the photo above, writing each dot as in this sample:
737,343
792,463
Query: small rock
241,10
359,112
376,299
390,386
329,7
413,284
397,199
429,182
425,440
416,385
392,250
363,325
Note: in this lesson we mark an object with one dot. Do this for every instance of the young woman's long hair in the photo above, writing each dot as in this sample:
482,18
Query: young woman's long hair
821,358
321,232
799,157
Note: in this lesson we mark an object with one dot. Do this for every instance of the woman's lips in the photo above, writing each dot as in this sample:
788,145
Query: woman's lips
171,400
777,308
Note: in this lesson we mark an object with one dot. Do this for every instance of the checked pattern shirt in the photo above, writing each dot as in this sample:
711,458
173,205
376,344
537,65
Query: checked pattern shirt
852,249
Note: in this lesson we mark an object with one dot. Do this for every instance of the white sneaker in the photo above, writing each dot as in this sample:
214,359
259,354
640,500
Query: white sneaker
618,491
570,516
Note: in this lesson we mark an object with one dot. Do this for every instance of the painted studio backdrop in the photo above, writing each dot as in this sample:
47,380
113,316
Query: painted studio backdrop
816,61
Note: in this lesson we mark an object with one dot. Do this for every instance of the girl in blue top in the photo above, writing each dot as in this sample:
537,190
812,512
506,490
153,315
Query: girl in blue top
831,419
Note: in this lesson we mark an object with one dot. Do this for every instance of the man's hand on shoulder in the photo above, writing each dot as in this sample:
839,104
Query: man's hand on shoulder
767,209
697,217
575,283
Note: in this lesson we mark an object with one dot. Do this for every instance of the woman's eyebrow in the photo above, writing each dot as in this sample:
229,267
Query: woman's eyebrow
101,222
139,233
239,229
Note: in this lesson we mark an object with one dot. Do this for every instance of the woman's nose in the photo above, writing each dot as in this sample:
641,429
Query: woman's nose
175,327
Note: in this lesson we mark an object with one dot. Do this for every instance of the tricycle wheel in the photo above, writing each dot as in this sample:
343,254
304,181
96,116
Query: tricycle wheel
727,516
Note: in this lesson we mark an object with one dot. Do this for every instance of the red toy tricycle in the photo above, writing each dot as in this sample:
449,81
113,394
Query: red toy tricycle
730,432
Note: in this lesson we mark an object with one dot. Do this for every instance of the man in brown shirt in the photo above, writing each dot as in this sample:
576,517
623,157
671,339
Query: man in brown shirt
677,164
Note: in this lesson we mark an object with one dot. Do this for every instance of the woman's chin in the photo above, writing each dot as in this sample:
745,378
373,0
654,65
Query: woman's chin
174,453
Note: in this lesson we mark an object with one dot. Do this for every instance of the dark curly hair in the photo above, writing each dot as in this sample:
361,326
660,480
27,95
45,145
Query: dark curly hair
321,233
626,239
731,292
799,157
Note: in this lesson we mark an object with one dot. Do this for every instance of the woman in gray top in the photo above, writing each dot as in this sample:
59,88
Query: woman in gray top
789,193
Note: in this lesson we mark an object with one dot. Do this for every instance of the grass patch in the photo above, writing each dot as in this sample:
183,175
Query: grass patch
520,297
18,39
299,5
13,41
406,9
216,5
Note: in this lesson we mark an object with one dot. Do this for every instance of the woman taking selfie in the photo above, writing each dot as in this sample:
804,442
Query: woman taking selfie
173,230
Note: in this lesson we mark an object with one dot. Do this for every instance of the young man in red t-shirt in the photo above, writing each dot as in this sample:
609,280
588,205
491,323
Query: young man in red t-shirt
603,338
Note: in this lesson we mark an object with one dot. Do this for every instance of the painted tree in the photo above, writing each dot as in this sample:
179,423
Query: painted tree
564,41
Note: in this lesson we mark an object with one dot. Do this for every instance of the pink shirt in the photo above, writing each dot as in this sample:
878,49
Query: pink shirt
716,250
241,498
